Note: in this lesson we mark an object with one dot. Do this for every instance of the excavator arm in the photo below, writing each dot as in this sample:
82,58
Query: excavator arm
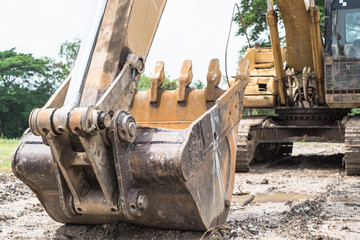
99,151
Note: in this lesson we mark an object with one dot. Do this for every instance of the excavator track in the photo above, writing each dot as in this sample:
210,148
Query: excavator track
246,145
352,146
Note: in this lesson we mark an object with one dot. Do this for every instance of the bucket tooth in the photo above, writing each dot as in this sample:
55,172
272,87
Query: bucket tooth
243,74
157,81
213,79
185,79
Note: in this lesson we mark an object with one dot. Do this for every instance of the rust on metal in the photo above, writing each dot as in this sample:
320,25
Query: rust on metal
213,79
171,168
157,81
185,79
272,20
156,158
297,28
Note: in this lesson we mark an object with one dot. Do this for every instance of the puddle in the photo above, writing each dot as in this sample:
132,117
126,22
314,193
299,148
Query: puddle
274,197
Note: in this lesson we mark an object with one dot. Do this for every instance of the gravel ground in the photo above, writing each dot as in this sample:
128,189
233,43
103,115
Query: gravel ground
305,196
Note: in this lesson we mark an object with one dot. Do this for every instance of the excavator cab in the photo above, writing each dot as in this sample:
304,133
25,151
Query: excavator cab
342,54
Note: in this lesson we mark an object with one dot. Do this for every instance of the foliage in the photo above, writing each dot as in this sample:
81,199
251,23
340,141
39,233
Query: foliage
259,112
170,84
197,85
145,83
22,86
254,16
68,53
16,68
26,82
354,111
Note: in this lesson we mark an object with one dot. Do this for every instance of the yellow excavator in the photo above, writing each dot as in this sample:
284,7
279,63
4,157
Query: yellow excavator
99,151
312,86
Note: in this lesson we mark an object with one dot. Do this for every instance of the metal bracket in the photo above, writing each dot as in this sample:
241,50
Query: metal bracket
132,200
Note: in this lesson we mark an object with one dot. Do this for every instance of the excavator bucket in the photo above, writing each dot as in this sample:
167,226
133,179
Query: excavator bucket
177,173
99,151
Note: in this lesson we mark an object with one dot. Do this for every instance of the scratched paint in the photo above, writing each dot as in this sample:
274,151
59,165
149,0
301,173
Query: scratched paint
217,174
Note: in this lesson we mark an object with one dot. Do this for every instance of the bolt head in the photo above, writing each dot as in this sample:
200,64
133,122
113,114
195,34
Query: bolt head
143,202
140,65
132,129
104,120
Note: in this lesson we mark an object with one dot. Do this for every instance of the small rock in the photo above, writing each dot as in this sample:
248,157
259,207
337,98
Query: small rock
274,225
253,231
68,236
323,216
233,234
344,227
265,181
307,210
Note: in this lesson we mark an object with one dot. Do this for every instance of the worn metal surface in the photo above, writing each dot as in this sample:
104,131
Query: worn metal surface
297,27
317,51
245,145
261,137
310,116
128,27
170,111
84,56
272,20
342,82
262,90
104,164
168,163
352,146
186,176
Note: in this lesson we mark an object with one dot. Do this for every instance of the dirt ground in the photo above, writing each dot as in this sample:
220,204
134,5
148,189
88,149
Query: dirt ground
305,196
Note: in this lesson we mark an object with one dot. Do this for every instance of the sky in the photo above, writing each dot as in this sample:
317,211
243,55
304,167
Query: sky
189,29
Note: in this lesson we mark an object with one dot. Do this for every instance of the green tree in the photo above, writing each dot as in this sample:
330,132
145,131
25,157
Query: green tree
145,84
254,16
61,68
170,84
68,54
16,68
27,82
197,85
23,86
